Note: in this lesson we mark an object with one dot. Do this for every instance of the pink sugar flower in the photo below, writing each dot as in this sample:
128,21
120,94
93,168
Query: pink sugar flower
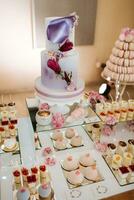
102,147
111,120
58,120
107,130
44,106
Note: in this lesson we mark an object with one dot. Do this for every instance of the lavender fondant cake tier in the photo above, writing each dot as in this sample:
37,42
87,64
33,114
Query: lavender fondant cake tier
68,63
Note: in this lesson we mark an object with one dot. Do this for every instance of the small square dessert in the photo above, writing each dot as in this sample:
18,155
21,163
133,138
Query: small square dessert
123,173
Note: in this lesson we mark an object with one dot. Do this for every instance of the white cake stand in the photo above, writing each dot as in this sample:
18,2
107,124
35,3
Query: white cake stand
58,97
119,86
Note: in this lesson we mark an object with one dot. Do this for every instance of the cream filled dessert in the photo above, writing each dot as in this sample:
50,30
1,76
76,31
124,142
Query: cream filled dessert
35,172
11,106
23,194
91,173
57,134
70,163
111,149
17,176
12,130
86,160
130,177
122,147
116,161
31,180
61,143
70,132
43,172
127,158
123,173
75,177
43,117
45,192
76,141
2,132
25,173
131,146
3,107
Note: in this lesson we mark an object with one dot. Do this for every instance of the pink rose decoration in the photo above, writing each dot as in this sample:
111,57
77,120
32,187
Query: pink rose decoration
111,120
47,151
107,130
50,161
54,65
58,120
102,147
66,46
44,106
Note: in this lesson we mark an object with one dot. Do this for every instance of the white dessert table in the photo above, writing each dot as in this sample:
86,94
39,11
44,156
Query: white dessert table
62,192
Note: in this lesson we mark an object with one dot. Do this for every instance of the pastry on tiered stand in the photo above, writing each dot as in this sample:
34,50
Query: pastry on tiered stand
75,177
120,65
70,163
86,160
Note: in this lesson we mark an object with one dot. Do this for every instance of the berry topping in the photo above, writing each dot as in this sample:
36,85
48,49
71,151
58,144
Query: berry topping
16,173
131,167
11,126
124,170
31,179
131,141
24,171
4,122
34,170
1,129
13,121
11,104
43,168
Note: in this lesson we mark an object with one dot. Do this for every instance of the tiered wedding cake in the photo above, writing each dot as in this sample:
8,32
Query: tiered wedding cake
120,65
59,81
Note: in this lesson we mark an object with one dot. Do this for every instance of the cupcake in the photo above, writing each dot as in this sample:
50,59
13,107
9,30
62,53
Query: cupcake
86,160
23,194
61,144
17,177
42,169
127,159
70,163
70,132
75,177
91,173
57,135
76,141
25,173
45,192
116,161
122,147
